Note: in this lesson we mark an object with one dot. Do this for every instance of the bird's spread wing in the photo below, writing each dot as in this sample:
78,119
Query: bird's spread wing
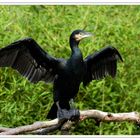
101,64
27,57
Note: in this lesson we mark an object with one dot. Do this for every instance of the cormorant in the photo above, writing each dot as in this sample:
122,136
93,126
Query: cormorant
30,60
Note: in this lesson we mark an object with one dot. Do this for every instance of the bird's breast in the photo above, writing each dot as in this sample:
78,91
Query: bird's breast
68,81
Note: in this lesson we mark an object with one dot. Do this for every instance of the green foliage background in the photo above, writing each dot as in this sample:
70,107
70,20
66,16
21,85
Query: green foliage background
22,102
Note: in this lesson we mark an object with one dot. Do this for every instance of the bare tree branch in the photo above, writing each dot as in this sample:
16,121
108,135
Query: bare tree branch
48,126
110,117
3,129
32,127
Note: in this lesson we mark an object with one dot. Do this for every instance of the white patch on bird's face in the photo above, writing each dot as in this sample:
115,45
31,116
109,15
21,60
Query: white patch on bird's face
78,37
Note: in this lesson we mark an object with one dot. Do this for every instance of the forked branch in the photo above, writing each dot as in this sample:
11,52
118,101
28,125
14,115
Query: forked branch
43,127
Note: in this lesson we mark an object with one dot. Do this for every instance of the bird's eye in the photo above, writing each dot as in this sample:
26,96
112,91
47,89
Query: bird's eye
81,34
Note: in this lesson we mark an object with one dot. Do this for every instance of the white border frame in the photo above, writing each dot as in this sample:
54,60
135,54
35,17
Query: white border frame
70,2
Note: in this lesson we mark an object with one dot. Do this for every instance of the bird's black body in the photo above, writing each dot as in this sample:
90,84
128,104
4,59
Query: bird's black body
27,57
66,84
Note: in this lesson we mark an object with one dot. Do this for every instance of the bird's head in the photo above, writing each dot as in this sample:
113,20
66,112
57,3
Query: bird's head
77,36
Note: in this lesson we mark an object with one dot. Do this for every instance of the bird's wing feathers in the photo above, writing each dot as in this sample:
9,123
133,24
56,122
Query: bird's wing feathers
101,64
29,60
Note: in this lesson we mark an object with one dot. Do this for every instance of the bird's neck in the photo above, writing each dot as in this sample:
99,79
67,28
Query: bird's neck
75,50
74,45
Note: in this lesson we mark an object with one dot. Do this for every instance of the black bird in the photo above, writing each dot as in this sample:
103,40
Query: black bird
30,60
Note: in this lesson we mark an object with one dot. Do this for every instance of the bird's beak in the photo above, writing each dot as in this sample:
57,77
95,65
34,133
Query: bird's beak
86,34
82,35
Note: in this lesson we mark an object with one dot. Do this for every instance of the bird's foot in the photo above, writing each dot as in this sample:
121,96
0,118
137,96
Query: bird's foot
75,114
72,114
62,114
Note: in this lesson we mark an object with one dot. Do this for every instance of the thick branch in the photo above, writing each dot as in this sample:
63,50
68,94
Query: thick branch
32,127
55,124
110,117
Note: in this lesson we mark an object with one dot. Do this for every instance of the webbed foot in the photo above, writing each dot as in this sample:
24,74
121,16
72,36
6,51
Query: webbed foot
75,114
72,114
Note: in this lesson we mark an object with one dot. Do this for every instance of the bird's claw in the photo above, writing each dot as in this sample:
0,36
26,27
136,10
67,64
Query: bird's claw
72,114
62,114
